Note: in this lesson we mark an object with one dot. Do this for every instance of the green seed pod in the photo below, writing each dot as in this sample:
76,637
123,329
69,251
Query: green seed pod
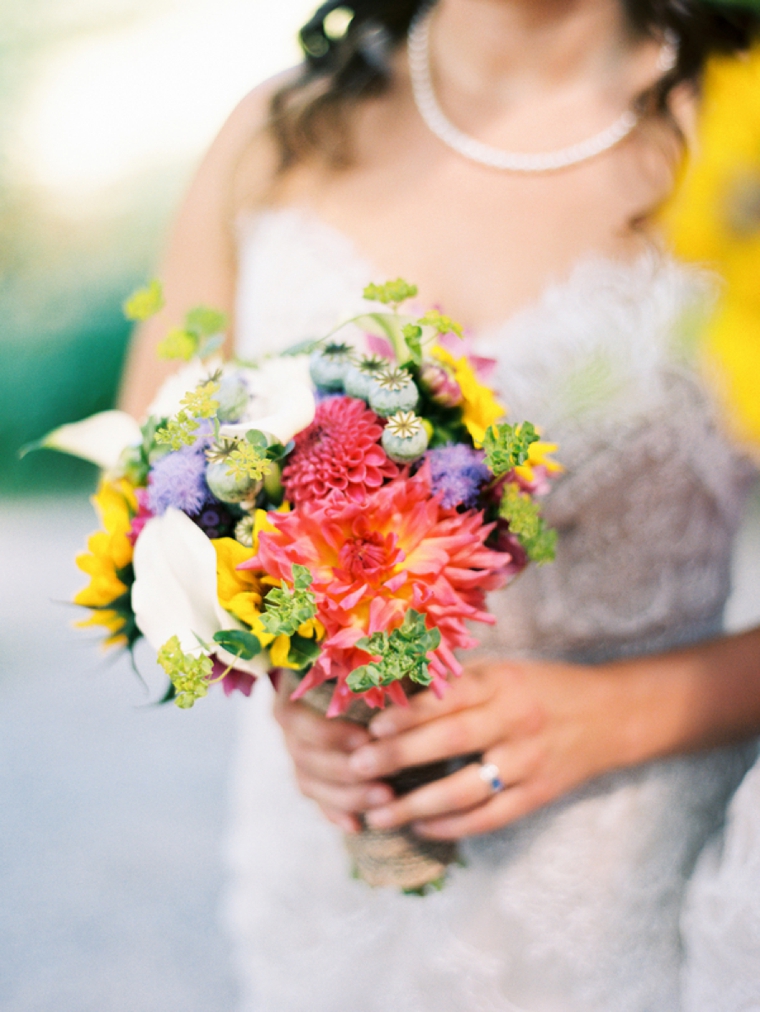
328,366
404,437
358,379
393,390
233,397
226,487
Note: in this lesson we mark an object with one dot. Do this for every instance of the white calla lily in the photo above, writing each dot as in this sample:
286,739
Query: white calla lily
175,589
167,401
101,438
282,400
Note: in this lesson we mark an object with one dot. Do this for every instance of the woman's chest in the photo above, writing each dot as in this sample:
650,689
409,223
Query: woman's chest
478,243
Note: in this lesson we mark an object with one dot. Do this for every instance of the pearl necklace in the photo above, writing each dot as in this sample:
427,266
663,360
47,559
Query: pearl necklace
418,45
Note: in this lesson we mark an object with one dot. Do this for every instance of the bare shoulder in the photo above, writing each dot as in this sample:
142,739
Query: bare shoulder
242,160
200,262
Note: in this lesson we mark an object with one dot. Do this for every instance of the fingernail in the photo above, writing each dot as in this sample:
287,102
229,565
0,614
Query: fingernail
379,818
382,727
379,795
363,761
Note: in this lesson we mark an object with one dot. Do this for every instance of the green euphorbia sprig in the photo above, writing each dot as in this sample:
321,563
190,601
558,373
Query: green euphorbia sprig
440,323
197,404
201,336
523,514
402,654
287,610
248,461
392,293
144,302
189,674
508,446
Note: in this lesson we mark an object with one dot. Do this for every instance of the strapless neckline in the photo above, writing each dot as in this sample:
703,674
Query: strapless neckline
345,248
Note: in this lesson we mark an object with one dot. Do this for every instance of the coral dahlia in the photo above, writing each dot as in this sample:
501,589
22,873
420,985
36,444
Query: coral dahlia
372,561
339,452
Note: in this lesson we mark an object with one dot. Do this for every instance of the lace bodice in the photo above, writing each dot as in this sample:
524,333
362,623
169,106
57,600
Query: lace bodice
576,907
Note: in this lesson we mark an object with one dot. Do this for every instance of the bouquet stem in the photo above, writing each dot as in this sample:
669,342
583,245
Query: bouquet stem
390,857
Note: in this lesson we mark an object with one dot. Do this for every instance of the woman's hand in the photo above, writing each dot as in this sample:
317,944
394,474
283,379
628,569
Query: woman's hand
320,750
546,727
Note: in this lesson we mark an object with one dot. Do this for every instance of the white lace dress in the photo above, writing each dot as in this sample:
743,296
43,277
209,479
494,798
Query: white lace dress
575,908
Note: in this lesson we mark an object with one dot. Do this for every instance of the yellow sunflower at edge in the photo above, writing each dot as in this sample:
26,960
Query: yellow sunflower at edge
714,219
109,554
480,409
242,592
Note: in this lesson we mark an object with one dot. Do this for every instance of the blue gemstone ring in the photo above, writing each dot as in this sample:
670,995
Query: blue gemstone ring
489,774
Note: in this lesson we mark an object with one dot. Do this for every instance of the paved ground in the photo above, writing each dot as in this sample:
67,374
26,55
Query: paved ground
111,811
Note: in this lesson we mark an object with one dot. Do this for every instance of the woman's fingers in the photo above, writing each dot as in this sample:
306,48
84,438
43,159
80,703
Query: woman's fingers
346,798
348,823
510,804
425,706
471,730
459,793
304,725
333,766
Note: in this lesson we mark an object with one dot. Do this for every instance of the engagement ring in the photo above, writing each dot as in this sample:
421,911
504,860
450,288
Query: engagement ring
489,774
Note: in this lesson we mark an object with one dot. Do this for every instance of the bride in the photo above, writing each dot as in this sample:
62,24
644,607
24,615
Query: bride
606,697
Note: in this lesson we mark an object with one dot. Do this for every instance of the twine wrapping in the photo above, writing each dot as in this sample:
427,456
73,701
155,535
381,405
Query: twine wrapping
389,857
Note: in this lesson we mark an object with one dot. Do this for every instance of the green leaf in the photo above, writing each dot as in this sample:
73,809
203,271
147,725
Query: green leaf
238,642
179,344
169,696
257,439
302,348
508,446
144,302
303,651
392,293
413,337
205,322
276,451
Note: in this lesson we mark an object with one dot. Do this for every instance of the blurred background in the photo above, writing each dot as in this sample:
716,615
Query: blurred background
111,809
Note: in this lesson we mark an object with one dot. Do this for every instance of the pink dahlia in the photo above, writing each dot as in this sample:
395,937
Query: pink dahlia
339,452
373,561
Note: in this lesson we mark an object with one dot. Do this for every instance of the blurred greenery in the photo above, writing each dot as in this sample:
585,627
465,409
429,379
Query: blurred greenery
104,107
65,265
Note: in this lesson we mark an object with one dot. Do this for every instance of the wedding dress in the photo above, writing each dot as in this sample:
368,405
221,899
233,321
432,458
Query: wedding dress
576,907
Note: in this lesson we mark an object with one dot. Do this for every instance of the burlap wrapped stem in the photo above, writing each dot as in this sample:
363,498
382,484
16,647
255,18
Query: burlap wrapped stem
395,857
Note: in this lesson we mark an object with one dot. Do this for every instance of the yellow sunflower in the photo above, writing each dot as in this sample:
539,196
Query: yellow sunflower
480,409
242,591
714,219
108,562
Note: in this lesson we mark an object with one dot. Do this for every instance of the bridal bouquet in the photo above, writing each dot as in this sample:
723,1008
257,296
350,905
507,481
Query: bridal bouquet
334,515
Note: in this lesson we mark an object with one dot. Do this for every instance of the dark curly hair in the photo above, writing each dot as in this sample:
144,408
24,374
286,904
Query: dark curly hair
308,115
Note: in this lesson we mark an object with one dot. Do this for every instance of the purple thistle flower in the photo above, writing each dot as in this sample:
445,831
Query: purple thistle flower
459,473
179,480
